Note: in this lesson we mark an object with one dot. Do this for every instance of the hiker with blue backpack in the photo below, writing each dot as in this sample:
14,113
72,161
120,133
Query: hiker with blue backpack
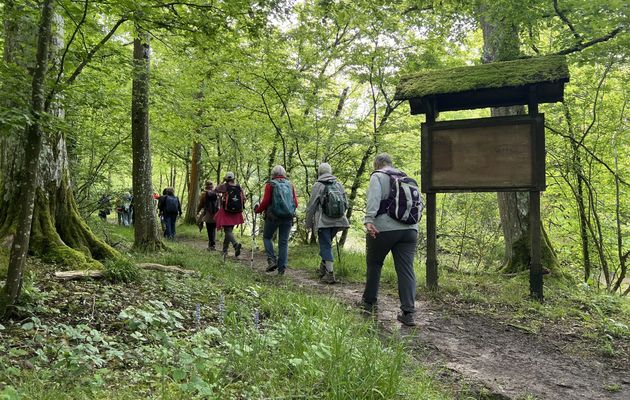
230,212
170,208
393,209
326,212
279,204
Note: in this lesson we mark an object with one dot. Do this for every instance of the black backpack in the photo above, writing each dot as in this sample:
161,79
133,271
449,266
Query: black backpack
211,205
403,203
233,202
171,205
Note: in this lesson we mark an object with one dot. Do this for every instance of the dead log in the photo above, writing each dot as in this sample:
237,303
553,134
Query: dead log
91,274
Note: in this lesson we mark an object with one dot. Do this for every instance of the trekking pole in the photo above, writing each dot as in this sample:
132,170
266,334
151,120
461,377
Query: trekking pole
338,252
251,263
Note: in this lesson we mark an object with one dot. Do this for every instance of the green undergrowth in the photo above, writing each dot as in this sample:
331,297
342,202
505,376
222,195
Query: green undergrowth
223,333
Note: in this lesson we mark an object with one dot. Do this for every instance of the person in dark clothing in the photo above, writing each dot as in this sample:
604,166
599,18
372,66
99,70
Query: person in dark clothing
209,205
170,207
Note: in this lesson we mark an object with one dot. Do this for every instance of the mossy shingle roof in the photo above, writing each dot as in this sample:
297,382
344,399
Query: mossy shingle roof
516,73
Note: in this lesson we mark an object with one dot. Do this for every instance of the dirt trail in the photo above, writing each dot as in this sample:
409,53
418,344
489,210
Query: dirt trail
475,351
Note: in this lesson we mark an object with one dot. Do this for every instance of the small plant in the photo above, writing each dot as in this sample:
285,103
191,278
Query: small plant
121,270
612,387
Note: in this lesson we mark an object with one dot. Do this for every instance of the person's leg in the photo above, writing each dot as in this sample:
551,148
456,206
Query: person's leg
284,229
269,230
404,252
227,237
212,229
174,223
324,236
376,250
167,223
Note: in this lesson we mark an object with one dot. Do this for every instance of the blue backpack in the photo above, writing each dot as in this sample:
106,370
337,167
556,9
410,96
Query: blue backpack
282,204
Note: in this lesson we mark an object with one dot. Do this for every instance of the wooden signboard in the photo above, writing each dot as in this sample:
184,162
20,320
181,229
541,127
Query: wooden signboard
486,154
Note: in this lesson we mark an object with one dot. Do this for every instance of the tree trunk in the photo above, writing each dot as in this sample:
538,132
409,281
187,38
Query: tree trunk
146,233
19,249
354,190
501,43
58,233
193,186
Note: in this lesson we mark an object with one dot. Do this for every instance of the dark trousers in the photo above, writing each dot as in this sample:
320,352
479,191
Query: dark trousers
402,244
229,238
169,222
212,233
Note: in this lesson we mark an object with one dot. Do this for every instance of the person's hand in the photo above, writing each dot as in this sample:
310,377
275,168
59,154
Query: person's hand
371,230
256,206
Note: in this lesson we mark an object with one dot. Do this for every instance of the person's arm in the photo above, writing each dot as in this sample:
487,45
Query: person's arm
311,207
179,206
373,204
264,203
202,201
294,196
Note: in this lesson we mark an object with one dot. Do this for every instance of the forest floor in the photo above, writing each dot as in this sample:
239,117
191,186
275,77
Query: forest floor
496,358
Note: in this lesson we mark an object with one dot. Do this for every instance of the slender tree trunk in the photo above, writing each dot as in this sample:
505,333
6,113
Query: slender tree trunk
146,236
354,190
501,43
19,249
193,187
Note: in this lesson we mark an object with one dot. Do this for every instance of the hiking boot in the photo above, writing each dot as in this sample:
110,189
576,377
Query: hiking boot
237,249
329,278
367,308
211,248
406,319
280,272
271,268
322,270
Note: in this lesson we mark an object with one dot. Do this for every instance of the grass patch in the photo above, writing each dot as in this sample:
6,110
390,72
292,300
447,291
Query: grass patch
224,334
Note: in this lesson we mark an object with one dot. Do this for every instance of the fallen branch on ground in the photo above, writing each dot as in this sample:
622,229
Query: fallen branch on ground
71,275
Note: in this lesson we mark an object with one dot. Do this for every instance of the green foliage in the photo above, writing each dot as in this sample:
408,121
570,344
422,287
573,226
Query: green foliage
121,270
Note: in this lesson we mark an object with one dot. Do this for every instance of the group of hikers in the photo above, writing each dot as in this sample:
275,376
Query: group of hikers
391,219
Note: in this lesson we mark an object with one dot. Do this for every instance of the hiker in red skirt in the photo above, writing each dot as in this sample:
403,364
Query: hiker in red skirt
230,211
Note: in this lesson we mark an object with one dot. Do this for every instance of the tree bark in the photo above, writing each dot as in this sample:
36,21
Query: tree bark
501,43
146,234
58,233
193,186
19,249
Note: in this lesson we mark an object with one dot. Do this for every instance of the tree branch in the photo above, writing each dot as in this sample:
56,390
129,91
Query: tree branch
566,21
583,45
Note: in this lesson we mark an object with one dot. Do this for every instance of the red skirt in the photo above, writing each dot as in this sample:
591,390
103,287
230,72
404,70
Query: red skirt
224,218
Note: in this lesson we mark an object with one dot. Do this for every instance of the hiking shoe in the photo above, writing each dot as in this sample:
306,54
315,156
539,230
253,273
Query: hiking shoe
406,319
322,270
367,308
271,268
280,272
237,249
211,248
329,278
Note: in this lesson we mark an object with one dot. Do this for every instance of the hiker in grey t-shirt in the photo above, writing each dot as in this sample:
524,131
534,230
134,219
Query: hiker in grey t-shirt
326,212
385,234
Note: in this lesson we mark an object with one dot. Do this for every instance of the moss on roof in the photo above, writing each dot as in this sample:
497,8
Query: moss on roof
495,75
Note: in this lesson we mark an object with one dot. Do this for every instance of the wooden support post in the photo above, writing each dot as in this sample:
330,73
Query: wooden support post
432,266
535,269
432,272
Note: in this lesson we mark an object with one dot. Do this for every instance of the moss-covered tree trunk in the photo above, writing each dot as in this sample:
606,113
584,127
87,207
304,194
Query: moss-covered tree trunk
146,234
58,232
501,43
11,290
